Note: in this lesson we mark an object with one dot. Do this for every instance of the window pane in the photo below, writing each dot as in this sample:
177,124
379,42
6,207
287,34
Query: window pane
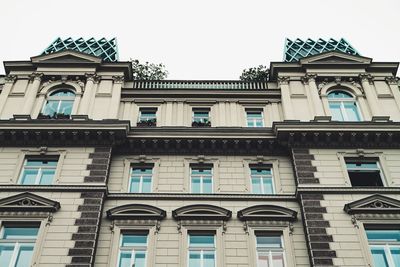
257,171
209,259
24,256
47,177
195,185
263,260
383,235
51,107
269,241
352,111
41,163
256,185
142,170
277,260
140,259
201,240
361,165
29,176
335,111
379,257
65,107
6,251
20,232
339,94
194,259
135,185
201,171
125,259
134,240
146,185
395,255
63,93
268,187
207,185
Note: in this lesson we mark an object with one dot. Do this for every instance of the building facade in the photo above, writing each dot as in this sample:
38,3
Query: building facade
99,170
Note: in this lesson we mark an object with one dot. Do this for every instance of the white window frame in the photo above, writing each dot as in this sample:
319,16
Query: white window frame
341,101
201,249
194,110
255,120
60,99
39,173
141,178
366,160
132,250
201,180
270,250
142,109
262,177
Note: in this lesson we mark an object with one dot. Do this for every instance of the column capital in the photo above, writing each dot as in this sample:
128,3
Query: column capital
118,79
92,77
308,77
10,78
36,76
365,77
283,79
392,80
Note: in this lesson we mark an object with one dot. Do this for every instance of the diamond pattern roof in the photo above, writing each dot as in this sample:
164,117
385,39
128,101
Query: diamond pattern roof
103,48
295,50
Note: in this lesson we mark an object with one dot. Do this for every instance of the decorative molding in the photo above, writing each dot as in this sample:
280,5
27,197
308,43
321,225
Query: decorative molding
366,77
201,212
92,77
136,211
36,76
118,79
10,78
392,80
266,213
373,204
283,80
28,202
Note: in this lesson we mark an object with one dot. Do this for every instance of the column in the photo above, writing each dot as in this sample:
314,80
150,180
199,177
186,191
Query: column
317,102
393,83
9,82
115,97
91,79
366,81
286,100
32,92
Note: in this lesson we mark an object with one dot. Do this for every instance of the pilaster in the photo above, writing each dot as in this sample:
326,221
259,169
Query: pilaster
33,89
310,79
115,97
9,83
286,99
366,81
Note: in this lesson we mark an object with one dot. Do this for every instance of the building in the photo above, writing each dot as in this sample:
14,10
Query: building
99,170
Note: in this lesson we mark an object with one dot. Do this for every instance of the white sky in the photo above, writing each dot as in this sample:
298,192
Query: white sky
204,39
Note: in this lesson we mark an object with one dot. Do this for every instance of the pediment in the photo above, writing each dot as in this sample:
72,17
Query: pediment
335,57
267,212
201,212
136,211
67,56
373,204
28,202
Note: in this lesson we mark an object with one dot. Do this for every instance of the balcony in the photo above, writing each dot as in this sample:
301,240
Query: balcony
199,84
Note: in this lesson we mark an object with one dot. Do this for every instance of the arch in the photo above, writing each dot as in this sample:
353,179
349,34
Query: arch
338,94
267,212
136,211
343,86
54,86
201,211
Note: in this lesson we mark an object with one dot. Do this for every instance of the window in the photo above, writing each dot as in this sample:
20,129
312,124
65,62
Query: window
38,171
147,117
364,172
16,244
343,106
201,118
270,250
133,249
201,249
255,118
141,179
385,246
261,180
201,179
58,103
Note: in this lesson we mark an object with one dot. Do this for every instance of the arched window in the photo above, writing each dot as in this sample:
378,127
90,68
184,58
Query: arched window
343,106
59,102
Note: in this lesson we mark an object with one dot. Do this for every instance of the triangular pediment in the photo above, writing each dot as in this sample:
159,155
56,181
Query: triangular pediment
373,204
67,56
267,212
335,57
28,202
136,212
200,212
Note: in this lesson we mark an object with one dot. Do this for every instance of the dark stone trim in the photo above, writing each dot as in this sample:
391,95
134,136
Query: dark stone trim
201,211
52,188
302,163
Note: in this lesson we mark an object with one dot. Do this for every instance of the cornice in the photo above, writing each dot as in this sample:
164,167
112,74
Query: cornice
348,190
51,188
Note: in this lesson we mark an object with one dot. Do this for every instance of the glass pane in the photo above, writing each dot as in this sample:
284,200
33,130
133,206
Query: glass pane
134,240
259,123
201,171
254,115
51,107
147,115
146,185
268,187
20,232
29,176
194,259
256,171
207,185
263,260
201,241
41,163
24,256
142,171
195,185
6,251
140,259
47,177
62,93
66,107
362,165
250,123
256,185
278,260
135,185
352,111
269,241
125,259
209,259
379,257
335,111
383,235
395,255
339,94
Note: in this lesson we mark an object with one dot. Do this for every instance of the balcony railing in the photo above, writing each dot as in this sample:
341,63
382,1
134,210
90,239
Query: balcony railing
192,84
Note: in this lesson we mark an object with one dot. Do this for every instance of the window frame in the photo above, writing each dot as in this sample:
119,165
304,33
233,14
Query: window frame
272,163
49,97
262,178
201,249
199,109
254,110
361,160
269,250
140,166
341,101
132,247
138,161
142,109
201,178
38,177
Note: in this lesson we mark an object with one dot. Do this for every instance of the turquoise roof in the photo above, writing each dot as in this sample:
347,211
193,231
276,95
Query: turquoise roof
103,48
295,50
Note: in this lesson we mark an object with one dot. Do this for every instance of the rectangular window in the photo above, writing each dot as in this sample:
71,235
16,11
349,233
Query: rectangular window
141,179
364,172
201,249
147,117
37,171
133,249
255,118
201,179
201,118
262,181
385,246
17,244
270,249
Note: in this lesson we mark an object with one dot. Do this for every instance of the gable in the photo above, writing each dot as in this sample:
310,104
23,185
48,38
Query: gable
67,56
373,204
208,212
136,211
333,57
28,202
